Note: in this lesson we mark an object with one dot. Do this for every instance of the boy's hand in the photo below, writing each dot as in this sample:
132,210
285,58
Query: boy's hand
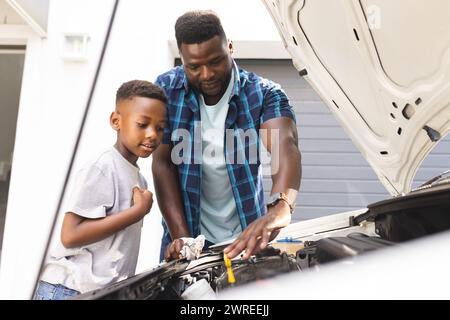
142,199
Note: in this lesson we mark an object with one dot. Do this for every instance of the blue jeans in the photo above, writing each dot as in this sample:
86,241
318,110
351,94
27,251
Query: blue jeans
48,291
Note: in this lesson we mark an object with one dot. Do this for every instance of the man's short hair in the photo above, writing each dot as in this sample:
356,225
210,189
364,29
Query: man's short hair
140,88
198,26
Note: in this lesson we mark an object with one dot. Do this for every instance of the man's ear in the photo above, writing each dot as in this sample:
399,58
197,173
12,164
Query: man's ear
230,46
114,120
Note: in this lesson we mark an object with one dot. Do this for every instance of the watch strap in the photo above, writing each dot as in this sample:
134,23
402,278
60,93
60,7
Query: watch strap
286,199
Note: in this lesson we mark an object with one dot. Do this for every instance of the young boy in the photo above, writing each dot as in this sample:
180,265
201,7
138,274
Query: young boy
101,230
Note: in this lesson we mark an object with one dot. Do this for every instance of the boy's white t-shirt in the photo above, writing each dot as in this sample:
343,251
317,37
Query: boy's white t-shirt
102,188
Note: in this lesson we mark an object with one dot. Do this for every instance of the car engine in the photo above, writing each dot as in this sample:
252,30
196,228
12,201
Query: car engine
173,280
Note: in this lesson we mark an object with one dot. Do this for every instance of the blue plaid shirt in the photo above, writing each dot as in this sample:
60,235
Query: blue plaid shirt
253,101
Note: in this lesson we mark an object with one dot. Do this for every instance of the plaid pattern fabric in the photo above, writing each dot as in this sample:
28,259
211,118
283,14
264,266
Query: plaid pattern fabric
253,101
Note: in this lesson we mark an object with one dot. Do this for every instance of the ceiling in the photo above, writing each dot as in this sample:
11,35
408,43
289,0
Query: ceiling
8,15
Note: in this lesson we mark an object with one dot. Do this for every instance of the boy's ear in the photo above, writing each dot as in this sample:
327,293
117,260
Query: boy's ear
114,120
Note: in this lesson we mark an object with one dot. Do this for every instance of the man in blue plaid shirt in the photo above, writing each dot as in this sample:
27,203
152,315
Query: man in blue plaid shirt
207,172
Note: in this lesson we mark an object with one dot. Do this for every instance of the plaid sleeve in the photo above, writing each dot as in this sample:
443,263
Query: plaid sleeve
166,134
276,104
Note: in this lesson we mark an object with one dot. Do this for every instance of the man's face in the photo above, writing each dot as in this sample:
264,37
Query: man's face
208,67
139,122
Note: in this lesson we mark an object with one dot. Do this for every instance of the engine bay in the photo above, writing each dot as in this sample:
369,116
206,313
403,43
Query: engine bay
181,279
384,224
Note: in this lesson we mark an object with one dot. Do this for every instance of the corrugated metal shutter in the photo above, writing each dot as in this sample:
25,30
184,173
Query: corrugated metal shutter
336,178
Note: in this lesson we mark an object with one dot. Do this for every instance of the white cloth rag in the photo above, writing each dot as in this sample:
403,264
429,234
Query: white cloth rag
192,247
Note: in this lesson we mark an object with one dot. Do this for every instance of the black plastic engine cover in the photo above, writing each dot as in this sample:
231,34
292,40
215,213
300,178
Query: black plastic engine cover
417,214
270,262
335,248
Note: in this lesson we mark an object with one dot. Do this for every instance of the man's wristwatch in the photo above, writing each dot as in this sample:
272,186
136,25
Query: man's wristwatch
276,197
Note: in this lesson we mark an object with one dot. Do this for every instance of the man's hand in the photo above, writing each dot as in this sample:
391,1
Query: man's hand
258,234
173,250
142,199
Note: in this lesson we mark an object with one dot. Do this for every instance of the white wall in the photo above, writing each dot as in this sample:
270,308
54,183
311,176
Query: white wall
11,66
54,94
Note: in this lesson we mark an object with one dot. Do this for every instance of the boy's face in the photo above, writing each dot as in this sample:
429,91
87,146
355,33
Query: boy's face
139,122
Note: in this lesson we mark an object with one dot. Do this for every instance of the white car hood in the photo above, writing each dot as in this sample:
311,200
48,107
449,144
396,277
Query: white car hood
383,69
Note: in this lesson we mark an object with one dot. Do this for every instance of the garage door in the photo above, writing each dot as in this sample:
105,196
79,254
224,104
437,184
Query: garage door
336,178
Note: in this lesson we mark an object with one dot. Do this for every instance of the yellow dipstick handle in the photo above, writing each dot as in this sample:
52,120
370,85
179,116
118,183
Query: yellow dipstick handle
230,273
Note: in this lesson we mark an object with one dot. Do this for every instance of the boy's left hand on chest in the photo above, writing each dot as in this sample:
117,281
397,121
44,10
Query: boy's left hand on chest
143,199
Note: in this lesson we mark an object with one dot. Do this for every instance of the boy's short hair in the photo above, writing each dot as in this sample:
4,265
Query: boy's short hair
140,88
198,26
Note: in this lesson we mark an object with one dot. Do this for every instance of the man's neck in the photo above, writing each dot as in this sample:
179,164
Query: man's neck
213,100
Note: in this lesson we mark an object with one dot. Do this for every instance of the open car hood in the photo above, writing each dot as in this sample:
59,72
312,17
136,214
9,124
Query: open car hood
383,69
